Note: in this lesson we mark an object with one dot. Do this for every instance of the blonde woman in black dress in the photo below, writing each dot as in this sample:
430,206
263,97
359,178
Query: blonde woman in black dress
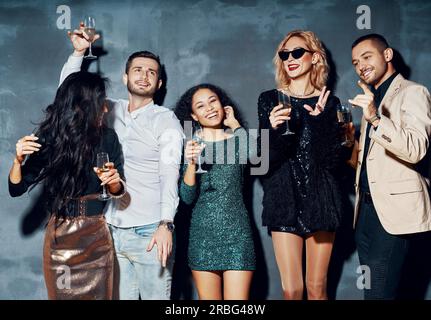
301,204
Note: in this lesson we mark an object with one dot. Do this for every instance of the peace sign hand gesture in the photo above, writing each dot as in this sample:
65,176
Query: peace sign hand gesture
320,105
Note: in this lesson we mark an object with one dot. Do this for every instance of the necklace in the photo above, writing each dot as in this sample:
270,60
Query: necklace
300,95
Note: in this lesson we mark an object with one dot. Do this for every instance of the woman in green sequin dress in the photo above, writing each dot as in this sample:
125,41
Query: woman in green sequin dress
221,250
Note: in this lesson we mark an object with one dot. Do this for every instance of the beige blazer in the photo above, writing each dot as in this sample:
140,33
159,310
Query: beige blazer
397,147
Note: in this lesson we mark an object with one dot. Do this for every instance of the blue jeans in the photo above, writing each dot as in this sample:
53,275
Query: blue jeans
140,272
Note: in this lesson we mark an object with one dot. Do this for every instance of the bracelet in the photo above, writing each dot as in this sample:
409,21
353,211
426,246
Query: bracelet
374,118
121,193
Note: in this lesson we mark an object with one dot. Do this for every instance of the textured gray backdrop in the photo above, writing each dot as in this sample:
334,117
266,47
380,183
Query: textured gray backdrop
229,43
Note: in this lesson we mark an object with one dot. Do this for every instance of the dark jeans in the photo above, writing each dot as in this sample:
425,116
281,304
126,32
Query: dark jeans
382,252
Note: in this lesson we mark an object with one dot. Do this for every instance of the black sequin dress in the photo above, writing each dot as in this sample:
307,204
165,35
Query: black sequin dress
301,191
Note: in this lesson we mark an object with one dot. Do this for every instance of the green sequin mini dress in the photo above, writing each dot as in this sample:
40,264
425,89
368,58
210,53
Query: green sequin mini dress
220,232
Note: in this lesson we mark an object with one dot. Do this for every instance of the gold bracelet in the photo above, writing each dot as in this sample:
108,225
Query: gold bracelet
374,118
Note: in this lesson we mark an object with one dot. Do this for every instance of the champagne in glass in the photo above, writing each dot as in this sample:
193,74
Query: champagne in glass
90,30
198,138
102,166
284,100
344,116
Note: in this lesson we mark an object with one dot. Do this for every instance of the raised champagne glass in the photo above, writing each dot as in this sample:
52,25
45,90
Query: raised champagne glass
90,30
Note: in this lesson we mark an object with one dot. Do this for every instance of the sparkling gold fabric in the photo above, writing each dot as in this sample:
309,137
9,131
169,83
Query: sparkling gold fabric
78,258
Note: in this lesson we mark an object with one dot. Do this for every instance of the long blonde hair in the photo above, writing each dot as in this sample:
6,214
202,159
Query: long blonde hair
319,71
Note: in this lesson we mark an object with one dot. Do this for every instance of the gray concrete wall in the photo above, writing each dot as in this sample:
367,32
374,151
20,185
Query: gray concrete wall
229,43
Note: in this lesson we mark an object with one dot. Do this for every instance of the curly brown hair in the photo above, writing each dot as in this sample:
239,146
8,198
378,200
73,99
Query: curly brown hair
183,107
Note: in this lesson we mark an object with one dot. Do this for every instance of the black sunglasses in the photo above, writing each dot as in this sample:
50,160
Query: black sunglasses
296,54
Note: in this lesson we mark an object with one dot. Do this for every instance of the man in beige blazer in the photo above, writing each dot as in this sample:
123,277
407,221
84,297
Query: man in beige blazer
392,163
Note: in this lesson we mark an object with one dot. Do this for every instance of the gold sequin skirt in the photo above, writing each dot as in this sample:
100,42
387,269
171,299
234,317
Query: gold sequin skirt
78,258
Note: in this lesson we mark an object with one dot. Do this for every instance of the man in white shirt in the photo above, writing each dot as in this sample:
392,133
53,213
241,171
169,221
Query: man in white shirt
151,137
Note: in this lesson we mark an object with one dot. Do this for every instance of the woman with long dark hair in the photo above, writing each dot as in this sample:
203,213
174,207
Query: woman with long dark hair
221,250
78,253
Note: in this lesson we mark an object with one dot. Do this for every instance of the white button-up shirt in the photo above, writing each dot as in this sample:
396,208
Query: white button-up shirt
152,140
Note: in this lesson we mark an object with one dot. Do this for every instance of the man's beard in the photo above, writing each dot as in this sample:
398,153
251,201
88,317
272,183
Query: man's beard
140,93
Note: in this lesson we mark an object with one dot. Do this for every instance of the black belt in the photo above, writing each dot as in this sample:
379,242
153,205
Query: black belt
366,197
87,205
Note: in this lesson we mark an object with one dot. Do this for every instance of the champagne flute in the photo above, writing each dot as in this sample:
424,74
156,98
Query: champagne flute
102,161
198,138
284,100
344,116
90,30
